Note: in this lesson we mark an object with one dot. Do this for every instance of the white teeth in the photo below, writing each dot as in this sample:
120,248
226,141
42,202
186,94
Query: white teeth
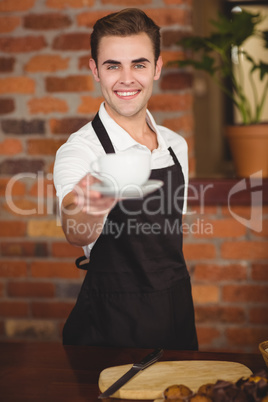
127,93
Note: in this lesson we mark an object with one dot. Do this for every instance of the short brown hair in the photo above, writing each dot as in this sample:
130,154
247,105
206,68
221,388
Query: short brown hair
129,21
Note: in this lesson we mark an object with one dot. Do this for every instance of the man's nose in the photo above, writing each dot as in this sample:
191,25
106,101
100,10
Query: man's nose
126,76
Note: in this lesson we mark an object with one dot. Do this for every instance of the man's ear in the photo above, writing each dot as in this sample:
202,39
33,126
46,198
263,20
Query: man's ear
158,68
93,67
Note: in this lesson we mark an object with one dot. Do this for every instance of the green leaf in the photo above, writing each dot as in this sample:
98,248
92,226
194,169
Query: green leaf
265,37
239,27
263,69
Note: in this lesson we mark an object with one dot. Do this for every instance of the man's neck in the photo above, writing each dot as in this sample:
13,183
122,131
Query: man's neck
136,126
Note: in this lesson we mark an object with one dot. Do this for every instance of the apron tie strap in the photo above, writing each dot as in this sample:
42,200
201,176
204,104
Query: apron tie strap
81,264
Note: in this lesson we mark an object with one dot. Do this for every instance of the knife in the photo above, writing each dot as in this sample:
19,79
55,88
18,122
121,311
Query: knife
143,364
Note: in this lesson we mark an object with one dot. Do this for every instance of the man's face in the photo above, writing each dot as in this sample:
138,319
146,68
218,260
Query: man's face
126,71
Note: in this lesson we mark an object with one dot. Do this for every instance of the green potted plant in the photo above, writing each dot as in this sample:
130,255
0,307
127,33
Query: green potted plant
214,55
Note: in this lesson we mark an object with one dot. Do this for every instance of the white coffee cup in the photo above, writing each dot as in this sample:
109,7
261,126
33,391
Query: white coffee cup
122,170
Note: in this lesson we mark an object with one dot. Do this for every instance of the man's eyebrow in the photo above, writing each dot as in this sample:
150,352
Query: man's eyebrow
140,60
109,61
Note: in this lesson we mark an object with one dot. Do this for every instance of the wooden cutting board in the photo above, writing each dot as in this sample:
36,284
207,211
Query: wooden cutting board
150,383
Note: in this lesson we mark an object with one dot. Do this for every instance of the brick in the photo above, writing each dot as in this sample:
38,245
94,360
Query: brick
12,268
205,294
264,231
65,250
31,329
253,219
16,5
214,314
12,228
89,18
207,335
24,249
72,41
47,105
215,273
171,102
10,147
54,269
47,63
15,188
14,126
245,250
89,104
22,207
12,167
246,211
68,290
259,315
44,186
67,125
62,4
170,16
45,146
84,63
30,289
178,2
46,21
51,309
245,293
14,309
22,44
197,251
40,228
7,105
170,58
9,24
171,37
130,3
246,336
259,272
72,83
223,228
1,291
176,81
183,123
15,166
240,210
17,85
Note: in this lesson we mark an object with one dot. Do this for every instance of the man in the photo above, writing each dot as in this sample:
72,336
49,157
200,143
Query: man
137,290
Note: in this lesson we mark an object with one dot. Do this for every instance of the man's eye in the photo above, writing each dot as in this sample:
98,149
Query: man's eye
139,66
112,67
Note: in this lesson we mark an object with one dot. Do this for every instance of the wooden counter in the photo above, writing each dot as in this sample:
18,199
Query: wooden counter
50,372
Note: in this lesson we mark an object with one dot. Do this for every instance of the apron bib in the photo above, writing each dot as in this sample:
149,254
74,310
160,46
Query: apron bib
137,290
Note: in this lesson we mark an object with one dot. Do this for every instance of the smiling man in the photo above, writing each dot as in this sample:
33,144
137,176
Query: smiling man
137,290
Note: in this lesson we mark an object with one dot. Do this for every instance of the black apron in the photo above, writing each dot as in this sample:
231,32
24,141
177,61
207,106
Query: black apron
137,290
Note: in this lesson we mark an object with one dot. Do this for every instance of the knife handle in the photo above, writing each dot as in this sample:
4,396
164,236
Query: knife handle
149,359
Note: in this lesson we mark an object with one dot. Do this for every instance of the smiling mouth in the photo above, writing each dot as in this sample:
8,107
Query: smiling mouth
125,94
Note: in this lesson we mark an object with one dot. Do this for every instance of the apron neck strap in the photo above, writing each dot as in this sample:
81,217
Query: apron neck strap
172,153
102,135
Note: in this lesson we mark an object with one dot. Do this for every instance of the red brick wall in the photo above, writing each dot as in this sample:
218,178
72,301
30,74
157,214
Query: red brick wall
47,92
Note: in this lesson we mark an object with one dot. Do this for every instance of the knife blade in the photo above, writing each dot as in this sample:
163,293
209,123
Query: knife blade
143,364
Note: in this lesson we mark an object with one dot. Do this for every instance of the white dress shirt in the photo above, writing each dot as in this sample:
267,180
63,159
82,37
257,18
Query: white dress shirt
74,158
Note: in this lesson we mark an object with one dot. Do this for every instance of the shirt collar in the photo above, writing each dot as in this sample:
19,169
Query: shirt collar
120,138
